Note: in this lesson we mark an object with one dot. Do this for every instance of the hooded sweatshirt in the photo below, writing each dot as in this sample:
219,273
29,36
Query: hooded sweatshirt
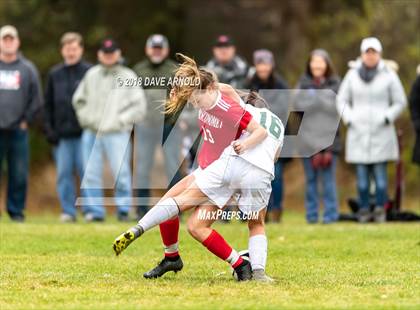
20,92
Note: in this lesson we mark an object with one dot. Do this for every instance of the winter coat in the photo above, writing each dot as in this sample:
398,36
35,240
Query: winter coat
369,109
234,73
103,103
155,98
60,120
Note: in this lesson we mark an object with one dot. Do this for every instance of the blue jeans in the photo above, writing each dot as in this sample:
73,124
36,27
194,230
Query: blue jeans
68,158
15,149
147,139
364,174
276,198
326,177
117,148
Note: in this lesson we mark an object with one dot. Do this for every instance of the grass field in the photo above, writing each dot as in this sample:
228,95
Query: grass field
46,265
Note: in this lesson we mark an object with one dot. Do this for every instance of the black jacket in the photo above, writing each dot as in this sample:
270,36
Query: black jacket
275,81
415,116
60,118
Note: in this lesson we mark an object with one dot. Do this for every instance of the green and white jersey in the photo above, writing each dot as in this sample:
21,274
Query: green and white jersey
263,154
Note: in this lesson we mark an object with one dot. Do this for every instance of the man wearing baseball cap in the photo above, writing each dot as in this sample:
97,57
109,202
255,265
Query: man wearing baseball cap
107,106
20,100
229,67
370,99
155,128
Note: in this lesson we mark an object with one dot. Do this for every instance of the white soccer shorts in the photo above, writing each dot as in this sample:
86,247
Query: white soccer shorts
232,175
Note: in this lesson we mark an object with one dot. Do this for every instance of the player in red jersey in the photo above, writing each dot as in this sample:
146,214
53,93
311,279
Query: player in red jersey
222,121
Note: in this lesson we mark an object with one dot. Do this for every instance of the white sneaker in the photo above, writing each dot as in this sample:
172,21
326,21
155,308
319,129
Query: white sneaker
90,217
260,276
67,218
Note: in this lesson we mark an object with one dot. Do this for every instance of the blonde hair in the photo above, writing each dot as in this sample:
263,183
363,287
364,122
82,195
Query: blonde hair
188,71
70,37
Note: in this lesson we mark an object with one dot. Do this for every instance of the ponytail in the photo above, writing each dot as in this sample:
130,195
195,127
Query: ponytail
197,79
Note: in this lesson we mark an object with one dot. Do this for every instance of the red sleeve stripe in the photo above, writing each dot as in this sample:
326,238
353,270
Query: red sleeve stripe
245,120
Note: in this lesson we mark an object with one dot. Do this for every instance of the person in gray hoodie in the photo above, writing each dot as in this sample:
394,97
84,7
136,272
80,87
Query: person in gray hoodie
370,99
107,109
20,100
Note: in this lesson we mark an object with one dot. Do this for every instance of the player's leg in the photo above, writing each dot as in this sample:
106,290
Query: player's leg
169,231
200,228
257,247
255,187
163,211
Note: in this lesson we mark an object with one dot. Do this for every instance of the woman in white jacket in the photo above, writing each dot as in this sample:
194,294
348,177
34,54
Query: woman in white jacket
370,99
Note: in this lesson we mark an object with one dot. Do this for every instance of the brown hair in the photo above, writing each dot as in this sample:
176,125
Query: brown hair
253,98
330,71
181,92
70,37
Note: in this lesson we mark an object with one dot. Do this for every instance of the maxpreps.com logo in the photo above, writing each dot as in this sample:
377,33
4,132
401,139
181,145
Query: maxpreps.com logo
226,215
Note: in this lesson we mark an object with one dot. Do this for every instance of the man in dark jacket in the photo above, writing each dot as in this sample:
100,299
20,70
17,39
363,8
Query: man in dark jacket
20,99
156,128
61,125
415,116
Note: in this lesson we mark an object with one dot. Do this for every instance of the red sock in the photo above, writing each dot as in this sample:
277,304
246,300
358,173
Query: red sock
169,232
219,247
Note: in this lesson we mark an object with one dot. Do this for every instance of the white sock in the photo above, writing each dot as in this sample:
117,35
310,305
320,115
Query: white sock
171,249
161,212
257,247
233,257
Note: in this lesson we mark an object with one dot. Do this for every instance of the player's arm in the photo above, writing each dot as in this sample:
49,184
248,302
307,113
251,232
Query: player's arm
257,135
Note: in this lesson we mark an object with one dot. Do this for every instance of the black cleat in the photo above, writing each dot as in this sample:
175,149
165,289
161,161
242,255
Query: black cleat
244,271
163,267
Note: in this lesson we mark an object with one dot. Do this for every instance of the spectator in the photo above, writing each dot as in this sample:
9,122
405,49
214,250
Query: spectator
371,98
107,113
61,126
229,68
20,99
321,167
156,128
265,77
415,116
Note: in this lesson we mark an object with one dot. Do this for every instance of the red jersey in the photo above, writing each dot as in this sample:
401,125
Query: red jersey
219,126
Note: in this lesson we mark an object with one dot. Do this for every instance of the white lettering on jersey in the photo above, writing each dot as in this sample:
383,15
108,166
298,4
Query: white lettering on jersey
263,154
209,119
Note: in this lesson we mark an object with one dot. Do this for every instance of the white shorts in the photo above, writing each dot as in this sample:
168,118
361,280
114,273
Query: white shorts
233,176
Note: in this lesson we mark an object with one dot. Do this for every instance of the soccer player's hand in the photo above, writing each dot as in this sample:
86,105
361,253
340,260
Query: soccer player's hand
122,242
239,147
